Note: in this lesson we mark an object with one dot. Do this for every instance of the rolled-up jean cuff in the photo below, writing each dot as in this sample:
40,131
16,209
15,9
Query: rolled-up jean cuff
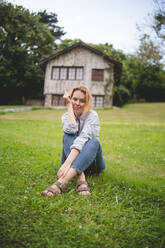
78,171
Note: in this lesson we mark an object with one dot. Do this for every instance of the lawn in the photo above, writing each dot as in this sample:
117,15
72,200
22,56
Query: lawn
126,208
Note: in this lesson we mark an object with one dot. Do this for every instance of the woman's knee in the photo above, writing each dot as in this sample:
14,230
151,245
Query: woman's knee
94,142
69,138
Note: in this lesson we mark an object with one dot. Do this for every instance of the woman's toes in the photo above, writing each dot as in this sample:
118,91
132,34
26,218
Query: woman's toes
84,193
50,194
54,190
46,193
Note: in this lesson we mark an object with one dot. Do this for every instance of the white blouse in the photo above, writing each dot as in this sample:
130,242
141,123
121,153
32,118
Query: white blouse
89,128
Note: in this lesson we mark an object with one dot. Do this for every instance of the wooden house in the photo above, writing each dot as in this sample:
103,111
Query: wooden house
80,64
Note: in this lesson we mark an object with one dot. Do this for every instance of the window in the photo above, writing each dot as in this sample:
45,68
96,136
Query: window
72,75
98,101
63,73
56,73
97,75
67,73
58,100
79,73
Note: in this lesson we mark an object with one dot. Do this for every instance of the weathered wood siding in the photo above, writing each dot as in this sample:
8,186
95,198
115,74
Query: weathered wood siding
83,58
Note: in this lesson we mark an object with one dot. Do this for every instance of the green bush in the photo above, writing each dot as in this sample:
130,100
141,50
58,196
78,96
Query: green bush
121,96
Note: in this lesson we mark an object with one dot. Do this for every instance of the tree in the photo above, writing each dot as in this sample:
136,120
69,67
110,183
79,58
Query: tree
110,51
24,41
148,52
51,20
159,18
126,90
146,71
66,43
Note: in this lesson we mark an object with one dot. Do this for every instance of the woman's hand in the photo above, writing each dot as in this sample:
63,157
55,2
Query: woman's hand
63,170
67,164
66,97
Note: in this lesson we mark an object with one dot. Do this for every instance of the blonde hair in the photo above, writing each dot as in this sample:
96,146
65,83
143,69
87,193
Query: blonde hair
88,97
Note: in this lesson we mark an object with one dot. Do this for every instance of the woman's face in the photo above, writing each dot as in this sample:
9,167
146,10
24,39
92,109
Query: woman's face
78,102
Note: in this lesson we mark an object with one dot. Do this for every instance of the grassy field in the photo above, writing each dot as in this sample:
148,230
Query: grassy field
126,208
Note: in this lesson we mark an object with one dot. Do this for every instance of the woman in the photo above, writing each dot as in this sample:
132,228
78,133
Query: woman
82,154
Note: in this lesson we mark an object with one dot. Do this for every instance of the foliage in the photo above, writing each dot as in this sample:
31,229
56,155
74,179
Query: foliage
24,41
148,52
108,49
66,43
143,73
150,82
51,20
127,204
151,86
159,18
121,95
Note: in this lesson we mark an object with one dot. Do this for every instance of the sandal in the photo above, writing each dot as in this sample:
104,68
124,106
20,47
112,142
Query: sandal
54,191
85,188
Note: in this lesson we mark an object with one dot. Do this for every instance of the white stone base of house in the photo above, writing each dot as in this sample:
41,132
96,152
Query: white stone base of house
98,101
48,100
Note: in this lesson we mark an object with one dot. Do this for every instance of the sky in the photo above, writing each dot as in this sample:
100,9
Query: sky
98,21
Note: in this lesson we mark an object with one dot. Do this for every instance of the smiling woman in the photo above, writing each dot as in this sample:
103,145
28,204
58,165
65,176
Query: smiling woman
82,153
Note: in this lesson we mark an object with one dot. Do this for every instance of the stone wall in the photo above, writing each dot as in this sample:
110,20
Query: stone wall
48,100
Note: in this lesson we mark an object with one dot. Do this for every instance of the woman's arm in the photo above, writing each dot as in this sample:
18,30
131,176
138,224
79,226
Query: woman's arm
74,152
71,117
68,162
72,155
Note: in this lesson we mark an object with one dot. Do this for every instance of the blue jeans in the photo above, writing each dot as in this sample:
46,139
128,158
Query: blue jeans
90,159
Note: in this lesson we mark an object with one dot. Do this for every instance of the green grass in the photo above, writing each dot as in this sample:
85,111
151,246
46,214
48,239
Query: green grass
126,208
11,106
